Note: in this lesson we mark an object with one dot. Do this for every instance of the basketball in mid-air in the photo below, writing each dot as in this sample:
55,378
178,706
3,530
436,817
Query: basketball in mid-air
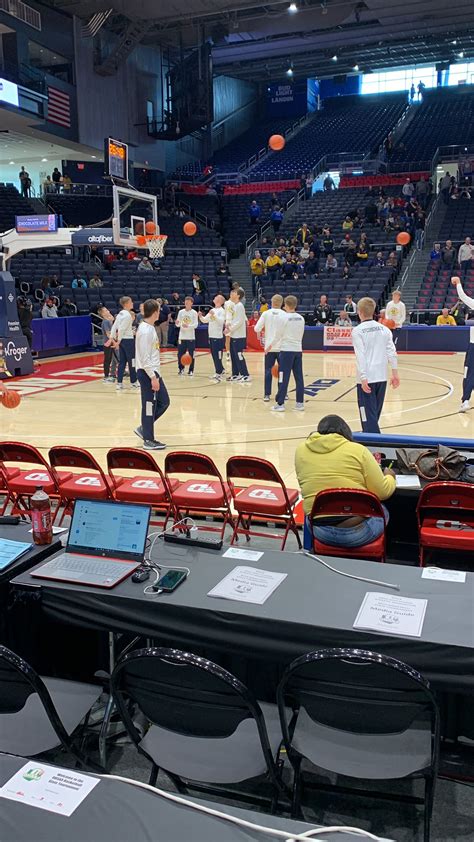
276,142
190,228
403,238
150,227
10,399
186,359
275,370
389,323
141,240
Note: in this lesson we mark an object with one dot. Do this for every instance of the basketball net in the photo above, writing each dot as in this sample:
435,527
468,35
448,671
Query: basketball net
155,243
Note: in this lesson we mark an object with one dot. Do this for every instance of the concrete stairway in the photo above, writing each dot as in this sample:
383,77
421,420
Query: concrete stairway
412,277
240,272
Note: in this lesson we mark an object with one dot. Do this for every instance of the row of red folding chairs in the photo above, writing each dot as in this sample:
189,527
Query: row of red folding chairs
253,488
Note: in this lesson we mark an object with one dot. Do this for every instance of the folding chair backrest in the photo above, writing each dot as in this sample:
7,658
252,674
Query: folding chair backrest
73,457
251,468
182,462
13,451
346,502
131,459
451,497
357,691
182,692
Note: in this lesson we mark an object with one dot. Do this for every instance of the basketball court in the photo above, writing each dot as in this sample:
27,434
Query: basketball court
66,402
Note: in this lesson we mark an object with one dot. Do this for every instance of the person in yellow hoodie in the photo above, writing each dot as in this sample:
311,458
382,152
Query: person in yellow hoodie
329,458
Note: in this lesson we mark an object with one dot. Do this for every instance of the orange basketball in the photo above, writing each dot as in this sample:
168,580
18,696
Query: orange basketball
190,228
186,359
141,240
275,370
403,238
277,142
150,227
389,323
10,399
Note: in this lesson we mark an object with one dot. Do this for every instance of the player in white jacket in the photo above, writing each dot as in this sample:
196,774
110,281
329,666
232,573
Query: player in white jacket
268,323
155,398
374,350
216,320
122,337
468,381
236,328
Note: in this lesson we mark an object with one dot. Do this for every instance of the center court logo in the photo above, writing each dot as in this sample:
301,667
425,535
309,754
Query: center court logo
319,385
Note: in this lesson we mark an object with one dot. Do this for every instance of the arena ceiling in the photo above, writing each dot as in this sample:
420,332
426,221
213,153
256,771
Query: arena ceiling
257,42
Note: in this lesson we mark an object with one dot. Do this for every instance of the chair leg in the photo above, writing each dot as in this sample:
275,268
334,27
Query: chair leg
153,775
104,728
429,796
296,812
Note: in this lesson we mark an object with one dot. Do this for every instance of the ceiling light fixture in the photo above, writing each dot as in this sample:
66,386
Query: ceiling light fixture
289,72
93,156
292,8
334,58
461,54
44,160
356,67
11,162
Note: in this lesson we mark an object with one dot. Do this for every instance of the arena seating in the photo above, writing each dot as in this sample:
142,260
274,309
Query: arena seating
235,217
458,222
353,126
443,119
436,290
11,205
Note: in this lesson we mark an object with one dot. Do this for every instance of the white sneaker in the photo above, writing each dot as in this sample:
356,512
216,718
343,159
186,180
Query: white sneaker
119,387
134,385
299,407
246,379
278,408
110,380
180,373
266,398
234,378
465,406
190,373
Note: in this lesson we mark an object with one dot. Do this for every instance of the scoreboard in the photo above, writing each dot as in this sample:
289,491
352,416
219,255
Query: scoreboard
116,159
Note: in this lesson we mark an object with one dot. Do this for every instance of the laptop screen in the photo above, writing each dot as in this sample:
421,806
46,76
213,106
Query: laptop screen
105,528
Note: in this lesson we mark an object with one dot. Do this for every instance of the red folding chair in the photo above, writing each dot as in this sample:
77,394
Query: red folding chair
86,481
147,485
198,494
23,469
274,502
349,502
440,504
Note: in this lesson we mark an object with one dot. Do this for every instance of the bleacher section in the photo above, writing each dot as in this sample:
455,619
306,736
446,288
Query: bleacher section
458,222
443,119
436,290
175,275
354,125
235,217
11,205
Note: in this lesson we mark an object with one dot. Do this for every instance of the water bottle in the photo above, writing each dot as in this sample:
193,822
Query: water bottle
41,521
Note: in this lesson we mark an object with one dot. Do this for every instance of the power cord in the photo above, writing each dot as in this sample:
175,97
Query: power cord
270,831
349,575
157,568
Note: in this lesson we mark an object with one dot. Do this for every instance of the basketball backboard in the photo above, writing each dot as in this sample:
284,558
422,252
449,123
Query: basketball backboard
132,211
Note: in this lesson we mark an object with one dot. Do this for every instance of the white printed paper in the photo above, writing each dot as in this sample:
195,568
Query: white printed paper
248,584
391,614
48,787
443,575
245,555
408,481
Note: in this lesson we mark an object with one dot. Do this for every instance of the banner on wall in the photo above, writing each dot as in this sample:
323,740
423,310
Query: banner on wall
340,337
287,99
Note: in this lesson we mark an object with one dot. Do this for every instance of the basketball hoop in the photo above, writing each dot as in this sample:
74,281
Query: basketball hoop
156,245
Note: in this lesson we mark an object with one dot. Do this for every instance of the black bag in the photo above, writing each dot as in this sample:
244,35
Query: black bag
437,463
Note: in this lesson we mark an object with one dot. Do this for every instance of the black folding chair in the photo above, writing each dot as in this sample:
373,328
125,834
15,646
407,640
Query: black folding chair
203,725
363,715
38,714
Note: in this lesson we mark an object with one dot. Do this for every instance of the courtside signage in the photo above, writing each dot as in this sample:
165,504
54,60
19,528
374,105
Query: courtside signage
43,223
337,337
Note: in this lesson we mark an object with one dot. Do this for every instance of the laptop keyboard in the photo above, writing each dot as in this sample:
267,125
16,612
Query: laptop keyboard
85,567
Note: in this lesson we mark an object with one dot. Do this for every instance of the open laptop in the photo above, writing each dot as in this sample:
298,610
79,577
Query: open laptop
106,543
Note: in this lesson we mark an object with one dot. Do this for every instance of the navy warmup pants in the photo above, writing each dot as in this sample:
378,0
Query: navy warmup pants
217,347
370,406
239,366
290,361
270,359
468,382
127,357
154,404
188,345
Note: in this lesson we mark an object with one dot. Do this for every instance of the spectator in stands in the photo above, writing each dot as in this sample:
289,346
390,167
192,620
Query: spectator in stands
258,269
67,308
348,224
145,265
263,305
370,212
421,90
312,265
378,261
25,182
199,289
445,187
288,268
49,310
331,264
343,319
303,234
411,207
162,325
351,252
176,300
448,255
420,222
328,184
395,309
273,265
408,189
96,281
274,201
458,312
254,213
422,193
56,177
323,314
304,251
412,92
327,241
25,317
309,181
47,185
132,254
350,307
466,254
435,253
276,218
445,319
392,260
79,283
330,459
110,353
362,252
67,183
223,271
